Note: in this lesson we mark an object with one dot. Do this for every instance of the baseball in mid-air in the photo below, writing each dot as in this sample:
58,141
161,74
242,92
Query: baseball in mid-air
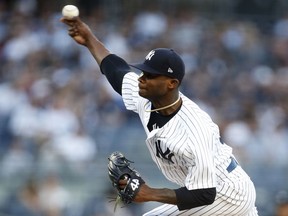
70,11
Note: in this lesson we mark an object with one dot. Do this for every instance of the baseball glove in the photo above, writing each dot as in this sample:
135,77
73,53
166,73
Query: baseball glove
119,169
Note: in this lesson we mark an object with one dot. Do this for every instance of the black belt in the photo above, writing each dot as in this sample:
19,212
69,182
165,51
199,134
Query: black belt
233,164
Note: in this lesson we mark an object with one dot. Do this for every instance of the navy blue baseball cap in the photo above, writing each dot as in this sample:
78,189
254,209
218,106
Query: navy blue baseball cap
163,61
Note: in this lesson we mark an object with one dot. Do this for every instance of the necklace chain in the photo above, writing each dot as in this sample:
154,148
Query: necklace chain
162,108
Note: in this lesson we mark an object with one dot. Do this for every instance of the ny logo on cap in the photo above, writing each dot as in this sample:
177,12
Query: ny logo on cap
150,55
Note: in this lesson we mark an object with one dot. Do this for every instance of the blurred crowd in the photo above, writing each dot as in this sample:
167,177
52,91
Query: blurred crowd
59,114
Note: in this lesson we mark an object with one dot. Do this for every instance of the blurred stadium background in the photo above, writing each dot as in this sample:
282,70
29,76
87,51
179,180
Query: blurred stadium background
60,120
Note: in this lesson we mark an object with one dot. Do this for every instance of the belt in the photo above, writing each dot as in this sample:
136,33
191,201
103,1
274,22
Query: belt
233,164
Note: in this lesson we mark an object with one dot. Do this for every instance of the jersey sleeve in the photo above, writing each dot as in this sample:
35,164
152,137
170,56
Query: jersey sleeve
201,175
130,90
114,68
202,138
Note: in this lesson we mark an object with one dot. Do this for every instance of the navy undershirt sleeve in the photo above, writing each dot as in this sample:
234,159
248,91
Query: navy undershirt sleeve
187,199
114,68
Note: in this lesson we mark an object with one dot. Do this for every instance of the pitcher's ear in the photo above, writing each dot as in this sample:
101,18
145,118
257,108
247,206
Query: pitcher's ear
173,83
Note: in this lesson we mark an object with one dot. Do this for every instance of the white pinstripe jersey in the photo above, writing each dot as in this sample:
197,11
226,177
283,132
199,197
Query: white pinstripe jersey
187,149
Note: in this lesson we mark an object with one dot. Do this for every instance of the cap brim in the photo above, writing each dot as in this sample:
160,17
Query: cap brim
145,68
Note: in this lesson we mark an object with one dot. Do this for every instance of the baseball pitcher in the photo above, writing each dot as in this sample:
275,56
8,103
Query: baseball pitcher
183,140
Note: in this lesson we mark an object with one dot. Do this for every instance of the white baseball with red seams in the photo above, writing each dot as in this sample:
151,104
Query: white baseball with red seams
70,11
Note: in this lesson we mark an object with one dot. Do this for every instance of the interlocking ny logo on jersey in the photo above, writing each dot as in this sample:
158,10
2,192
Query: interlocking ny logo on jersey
167,155
150,55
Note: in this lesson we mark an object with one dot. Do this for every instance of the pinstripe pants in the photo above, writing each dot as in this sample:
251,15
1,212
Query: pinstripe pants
235,196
